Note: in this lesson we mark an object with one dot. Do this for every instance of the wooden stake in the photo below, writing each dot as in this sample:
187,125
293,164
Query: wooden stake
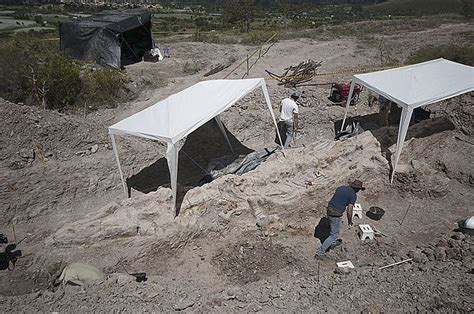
253,53
405,214
14,234
247,64
318,273
397,263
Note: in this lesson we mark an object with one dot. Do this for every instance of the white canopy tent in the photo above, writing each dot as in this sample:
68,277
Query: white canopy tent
414,86
175,117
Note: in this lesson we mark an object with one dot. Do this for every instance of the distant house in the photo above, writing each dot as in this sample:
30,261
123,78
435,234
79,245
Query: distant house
115,38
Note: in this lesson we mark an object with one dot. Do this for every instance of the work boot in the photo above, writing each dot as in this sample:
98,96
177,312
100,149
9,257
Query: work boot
321,257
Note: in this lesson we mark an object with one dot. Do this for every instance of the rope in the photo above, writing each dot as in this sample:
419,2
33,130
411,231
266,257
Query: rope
205,171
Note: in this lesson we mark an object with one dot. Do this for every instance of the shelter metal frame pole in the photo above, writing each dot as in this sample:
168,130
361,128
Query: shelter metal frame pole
114,146
221,126
269,105
351,91
172,155
402,133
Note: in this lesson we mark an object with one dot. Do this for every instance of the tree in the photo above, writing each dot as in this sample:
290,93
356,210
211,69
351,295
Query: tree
39,19
467,8
202,23
240,12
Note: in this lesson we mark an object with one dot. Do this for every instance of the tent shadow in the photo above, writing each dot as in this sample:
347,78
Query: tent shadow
421,126
201,146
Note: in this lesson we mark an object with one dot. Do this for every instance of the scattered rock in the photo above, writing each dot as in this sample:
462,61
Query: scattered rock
453,243
184,304
429,253
421,167
27,153
94,148
418,256
423,268
93,183
443,243
459,236
440,254
454,253
123,279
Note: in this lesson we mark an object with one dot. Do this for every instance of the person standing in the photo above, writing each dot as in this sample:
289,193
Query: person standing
288,124
343,200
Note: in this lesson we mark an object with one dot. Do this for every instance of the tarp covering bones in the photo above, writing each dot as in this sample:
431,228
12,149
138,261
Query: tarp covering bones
115,38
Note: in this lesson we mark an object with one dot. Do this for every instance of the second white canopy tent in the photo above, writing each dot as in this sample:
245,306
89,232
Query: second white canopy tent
414,86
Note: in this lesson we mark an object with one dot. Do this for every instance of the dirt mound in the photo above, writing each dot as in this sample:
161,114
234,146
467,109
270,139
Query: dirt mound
250,261
29,134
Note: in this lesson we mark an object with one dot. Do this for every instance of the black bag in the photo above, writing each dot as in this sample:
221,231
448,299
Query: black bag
322,229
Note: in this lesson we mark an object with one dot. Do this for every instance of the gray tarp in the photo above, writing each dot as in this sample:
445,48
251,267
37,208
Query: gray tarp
240,165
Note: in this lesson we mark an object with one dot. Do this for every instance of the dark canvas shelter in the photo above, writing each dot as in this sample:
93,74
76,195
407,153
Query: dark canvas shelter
115,38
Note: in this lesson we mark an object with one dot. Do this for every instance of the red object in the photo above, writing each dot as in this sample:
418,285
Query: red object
340,92
344,89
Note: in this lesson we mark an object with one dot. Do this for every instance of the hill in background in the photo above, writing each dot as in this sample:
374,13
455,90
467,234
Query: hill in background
423,7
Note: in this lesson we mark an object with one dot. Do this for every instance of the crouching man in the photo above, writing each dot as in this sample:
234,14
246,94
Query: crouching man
343,200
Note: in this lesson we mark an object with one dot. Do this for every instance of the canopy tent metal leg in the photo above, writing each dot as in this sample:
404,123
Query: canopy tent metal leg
221,126
172,158
402,133
351,91
114,146
269,105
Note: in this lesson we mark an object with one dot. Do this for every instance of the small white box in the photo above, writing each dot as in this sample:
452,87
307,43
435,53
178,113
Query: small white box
365,231
345,264
357,211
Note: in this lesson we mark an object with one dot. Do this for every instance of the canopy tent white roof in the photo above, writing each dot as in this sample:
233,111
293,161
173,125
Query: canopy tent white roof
415,86
175,117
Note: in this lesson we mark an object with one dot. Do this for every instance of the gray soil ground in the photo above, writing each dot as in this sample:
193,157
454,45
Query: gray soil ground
241,243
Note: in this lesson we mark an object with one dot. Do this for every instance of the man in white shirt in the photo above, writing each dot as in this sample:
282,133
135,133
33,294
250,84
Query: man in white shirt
288,124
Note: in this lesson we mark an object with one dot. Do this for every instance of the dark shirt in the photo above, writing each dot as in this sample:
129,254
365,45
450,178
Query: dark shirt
343,196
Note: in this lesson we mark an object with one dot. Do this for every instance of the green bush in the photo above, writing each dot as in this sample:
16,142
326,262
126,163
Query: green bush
417,7
461,54
34,72
207,37
39,19
102,88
